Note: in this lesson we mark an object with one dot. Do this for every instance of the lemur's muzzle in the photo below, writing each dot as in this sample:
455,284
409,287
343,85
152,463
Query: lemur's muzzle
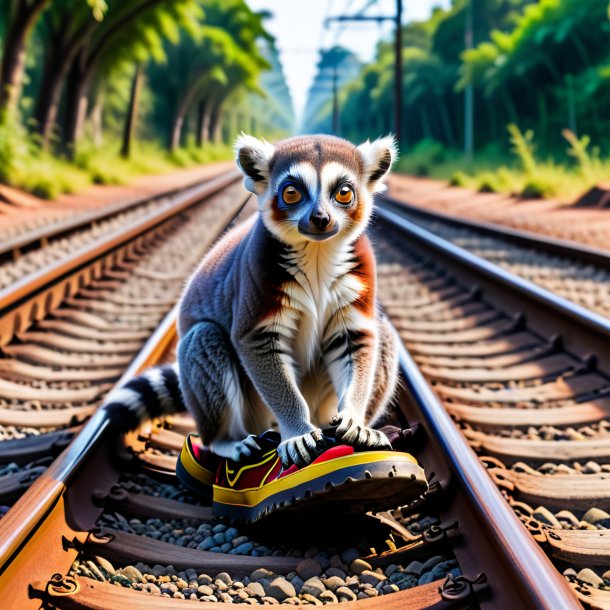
318,225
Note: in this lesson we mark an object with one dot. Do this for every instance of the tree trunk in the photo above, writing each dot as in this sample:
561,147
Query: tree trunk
76,107
56,68
214,126
132,112
446,122
13,56
202,122
425,120
97,115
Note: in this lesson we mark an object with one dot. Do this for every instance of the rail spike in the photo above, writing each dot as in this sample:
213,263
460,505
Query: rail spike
62,586
460,588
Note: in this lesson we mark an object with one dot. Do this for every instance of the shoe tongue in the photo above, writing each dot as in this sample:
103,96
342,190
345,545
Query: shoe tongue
270,438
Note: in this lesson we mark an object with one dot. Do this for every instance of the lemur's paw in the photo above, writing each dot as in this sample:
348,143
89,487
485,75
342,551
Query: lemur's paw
302,450
357,435
244,448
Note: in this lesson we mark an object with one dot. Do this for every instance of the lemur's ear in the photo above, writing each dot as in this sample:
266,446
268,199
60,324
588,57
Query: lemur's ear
252,157
378,157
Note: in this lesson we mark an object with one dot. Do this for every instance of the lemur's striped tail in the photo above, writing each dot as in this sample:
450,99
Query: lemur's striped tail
154,393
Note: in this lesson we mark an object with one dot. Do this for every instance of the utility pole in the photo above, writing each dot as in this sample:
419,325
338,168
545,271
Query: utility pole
469,92
335,102
397,19
398,73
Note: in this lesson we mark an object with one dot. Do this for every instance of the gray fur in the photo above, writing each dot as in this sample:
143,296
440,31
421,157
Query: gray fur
239,375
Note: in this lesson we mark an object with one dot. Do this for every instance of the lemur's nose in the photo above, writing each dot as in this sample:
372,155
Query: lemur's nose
319,219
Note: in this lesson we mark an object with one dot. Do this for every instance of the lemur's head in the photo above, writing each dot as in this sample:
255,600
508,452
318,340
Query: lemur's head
314,188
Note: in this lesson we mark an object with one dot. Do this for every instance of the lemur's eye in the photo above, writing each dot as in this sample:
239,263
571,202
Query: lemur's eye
344,195
291,194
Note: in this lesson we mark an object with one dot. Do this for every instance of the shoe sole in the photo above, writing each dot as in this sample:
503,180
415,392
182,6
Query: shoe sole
362,481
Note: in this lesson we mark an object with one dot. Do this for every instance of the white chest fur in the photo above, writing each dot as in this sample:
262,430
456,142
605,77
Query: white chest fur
316,299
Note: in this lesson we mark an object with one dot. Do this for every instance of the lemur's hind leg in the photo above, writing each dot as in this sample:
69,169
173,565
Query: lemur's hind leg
213,388
385,381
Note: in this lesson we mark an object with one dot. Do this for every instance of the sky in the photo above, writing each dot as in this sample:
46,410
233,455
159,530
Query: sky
298,26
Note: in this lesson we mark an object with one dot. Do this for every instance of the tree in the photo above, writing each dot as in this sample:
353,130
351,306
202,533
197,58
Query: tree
21,18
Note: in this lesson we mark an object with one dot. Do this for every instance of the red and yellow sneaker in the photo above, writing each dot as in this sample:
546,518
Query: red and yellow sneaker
339,477
196,466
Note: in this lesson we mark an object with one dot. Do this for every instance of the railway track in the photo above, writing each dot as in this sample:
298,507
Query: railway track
72,324
107,525
577,272
524,374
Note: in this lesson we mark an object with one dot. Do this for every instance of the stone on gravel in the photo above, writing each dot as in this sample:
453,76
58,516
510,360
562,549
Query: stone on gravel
280,589
314,601
313,586
269,600
132,573
242,549
357,566
255,589
103,563
593,515
239,540
390,588
309,568
415,567
207,544
337,562
336,572
224,577
345,594
372,578
205,590
430,563
297,582
150,587
349,555
333,583
544,515
390,569
328,597
261,573
588,575
323,559
426,578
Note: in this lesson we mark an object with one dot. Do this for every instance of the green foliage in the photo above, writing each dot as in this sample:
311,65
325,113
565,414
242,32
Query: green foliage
214,55
19,154
541,64
523,147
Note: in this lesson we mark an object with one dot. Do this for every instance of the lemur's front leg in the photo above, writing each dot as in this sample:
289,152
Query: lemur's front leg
351,355
271,369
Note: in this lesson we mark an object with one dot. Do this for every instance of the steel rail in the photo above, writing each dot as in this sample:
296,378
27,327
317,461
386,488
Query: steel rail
28,299
28,515
522,237
550,310
530,567
60,229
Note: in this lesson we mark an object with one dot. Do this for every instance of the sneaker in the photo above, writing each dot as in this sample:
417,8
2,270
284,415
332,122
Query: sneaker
339,478
196,466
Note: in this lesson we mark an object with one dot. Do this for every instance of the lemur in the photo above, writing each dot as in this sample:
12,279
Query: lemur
280,321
